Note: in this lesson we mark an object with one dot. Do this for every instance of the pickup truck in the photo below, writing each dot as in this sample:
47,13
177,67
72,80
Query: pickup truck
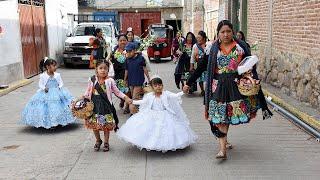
77,50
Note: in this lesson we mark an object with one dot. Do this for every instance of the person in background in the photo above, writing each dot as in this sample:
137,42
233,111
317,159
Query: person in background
135,71
183,65
198,53
118,60
176,44
103,44
131,38
240,36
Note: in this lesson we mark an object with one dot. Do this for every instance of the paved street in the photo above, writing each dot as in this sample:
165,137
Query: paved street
270,149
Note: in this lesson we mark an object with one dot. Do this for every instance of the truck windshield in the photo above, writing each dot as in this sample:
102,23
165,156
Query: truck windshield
89,30
159,32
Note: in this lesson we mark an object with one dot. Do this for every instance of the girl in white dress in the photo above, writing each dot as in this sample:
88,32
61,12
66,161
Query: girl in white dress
161,124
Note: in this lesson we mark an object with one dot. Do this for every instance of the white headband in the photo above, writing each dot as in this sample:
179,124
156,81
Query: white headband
154,76
45,58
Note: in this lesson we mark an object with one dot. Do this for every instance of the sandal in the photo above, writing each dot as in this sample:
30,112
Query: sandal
220,155
106,147
97,145
229,146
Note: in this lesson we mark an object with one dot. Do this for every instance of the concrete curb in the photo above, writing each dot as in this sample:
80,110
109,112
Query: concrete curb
15,85
301,115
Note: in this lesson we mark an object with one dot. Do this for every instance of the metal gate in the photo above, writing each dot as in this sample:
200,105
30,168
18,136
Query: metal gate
33,35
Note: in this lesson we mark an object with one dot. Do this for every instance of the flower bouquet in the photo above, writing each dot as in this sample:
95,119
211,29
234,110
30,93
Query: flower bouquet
146,42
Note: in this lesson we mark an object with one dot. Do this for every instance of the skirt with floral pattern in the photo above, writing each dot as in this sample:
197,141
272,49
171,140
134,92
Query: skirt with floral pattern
102,118
228,105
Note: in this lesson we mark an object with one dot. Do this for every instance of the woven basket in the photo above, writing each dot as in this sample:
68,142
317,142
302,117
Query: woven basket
249,89
82,108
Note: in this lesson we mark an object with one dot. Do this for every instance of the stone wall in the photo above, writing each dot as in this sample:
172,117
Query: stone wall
193,12
211,8
289,48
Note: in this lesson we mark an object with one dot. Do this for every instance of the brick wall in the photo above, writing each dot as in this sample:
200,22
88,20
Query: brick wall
258,17
291,61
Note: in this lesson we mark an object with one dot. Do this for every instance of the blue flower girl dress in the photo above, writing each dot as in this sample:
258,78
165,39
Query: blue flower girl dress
49,109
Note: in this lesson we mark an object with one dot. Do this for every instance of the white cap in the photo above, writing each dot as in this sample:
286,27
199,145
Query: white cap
129,29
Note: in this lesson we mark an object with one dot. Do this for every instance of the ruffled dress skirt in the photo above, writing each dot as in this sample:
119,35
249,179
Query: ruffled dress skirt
49,109
157,129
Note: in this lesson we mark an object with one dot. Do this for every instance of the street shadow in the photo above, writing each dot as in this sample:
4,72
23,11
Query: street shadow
130,149
169,154
55,130
163,61
80,66
193,95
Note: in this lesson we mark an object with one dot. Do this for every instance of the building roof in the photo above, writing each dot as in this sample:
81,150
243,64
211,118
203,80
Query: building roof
134,4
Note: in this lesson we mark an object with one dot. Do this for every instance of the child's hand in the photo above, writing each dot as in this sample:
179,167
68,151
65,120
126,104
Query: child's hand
46,90
186,89
116,128
128,100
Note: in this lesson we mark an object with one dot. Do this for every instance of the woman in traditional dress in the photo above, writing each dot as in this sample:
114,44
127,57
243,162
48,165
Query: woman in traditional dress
183,65
198,52
224,104
118,60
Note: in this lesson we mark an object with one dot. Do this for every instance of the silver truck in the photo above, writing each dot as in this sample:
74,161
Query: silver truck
77,50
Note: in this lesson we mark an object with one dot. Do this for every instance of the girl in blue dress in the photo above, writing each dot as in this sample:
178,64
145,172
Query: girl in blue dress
49,107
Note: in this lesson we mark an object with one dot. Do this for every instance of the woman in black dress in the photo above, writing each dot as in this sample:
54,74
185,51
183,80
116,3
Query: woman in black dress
224,105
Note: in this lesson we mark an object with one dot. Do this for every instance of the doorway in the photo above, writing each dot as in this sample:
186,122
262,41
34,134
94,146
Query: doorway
176,24
144,27
33,35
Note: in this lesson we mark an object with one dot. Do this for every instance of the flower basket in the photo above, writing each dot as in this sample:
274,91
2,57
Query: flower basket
82,108
248,86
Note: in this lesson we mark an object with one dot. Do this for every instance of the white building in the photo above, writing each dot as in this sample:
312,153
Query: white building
11,67
59,18
26,35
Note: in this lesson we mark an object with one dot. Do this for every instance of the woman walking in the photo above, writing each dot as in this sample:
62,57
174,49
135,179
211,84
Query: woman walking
118,60
223,101
240,36
183,65
198,52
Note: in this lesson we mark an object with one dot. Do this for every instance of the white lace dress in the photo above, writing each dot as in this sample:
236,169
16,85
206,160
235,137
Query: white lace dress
160,125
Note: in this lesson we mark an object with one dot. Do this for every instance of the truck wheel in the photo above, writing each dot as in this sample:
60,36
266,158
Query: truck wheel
68,65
